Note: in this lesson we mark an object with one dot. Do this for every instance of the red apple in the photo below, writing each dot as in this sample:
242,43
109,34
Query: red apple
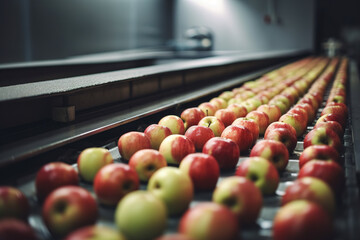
216,125
240,135
249,124
174,236
208,108
226,116
275,125
14,229
192,116
199,135
323,136
175,147
333,117
174,123
333,125
273,112
301,111
261,118
219,102
319,152
239,110
156,134
131,142
287,137
13,204
225,151
308,109
296,121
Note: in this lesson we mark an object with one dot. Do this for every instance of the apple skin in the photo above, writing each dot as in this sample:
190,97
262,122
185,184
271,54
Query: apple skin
131,142
209,221
225,151
241,196
261,118
69,208
199,135
249,124
328,171
215,124
272,150
296,121
13,204
323,136
301,111
156,134
261,172
192,116
15,229
287,137
174,236
91,160
333,125
175,147
226,116
147,161
239,110
54,175
299,220
333,117
219,102
174,123
140,215
208,108
342,105
311,114
276,125
319,152
174,187
311,189
280,104
203,170
114,181
95,233
226,95
273,112
240,135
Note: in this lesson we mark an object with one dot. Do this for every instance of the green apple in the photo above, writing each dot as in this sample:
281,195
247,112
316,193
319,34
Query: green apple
215,124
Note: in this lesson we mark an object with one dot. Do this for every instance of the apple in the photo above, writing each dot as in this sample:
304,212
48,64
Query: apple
95,233
114,181
283,99
208,108
225,151
240,135
226,95
333,125
280,104
216,125
147,161
261,118
219,102
287,137
249,124
328,171
174,123
323,136
276,125
13,204
333,117
141,215
319,152
342,105
272,150
261,172
300,220
310,99
175,147
302,112
174,187
226,116
199,135
174,236
14,229
273,112
192,116
203,170
311,114
209,221
251,105
241,196
54,175
156,134
239,110
131,142
91,160
69,208
296,121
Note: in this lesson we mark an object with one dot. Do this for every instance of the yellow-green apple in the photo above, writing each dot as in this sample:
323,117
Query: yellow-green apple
13,204
280,104
208,108
284,135
333,125
282,99
147,161
251,105
289,96
227,95
174,236
95,232
300,220
175,147
14,229
319,152
336,98
328,171
239,110
131,142
261,118
192,116
226,116
333,117
225,151
69,208
141,215
219,102
209,221
261,172
323,136
240,135
174,187
275,125
174,123
203,170
156,134
91,160
199,135
296,121
311,189
302,112
241,196
215,124
272,150
114,181
273,112
249,124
